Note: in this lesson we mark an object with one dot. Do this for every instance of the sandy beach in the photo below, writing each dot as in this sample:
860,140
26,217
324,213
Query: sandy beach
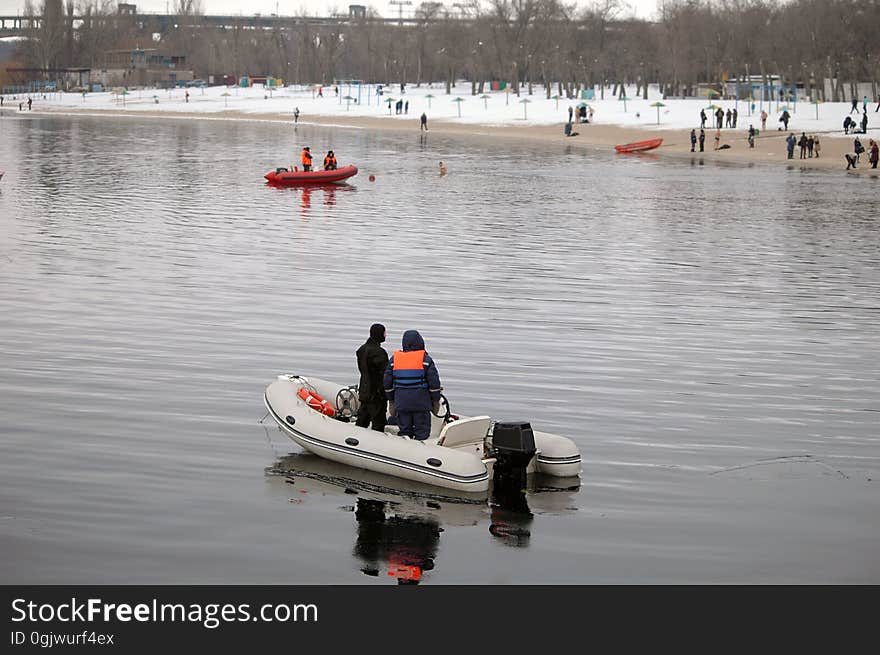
499,121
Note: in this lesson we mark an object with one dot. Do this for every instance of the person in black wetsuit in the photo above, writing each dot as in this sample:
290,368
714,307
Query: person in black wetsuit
372,360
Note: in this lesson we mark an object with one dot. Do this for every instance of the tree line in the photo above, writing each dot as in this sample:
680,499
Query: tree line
553,45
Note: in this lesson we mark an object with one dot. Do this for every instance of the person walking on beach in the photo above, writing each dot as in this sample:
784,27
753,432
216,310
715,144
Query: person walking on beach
858,148
306,158
186,97
875,153
295,115
789,143
406,107
570,113
702,118
717,138
865,104
810,143
693,140
727,117
802,144
372,360
751,136
816,146
733,116
855,105
423,122
30,102
785,118
864,120
412,386
763,120
702,139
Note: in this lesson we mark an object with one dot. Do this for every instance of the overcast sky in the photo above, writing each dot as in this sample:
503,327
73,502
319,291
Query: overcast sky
642,8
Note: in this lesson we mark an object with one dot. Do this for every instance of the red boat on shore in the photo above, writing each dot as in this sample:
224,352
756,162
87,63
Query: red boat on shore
638,146
285,177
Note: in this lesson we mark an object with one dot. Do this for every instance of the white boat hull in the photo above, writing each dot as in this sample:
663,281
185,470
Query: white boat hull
462,468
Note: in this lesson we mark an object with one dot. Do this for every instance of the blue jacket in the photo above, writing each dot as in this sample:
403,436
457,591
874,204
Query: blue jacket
412,389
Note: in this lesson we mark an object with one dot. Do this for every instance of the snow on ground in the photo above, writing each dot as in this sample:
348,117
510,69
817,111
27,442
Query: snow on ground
497,108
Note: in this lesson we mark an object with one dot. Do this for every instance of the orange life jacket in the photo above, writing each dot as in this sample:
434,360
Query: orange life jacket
306,158
409,370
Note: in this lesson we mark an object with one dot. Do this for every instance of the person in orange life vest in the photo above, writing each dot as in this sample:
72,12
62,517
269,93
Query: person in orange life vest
412,385
330,161
306,159
372,360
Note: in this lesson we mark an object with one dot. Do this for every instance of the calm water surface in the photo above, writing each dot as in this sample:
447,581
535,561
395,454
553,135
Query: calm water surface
708,336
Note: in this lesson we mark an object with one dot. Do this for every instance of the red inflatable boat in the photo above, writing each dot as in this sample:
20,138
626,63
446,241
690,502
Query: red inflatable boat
285,177
639,146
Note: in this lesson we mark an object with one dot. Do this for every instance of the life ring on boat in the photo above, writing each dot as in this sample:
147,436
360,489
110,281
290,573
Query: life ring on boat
315,401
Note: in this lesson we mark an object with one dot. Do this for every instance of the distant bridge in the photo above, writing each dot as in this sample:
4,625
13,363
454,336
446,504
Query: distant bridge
163,23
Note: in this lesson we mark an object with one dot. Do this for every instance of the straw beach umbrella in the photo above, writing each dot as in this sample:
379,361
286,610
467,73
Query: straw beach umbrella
390,101
429,96
226,95
556,98
458,101
658,104
623,98
485,99
348,100
524,102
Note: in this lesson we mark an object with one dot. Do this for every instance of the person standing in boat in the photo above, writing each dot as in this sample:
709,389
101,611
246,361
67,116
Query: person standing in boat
306,159
412,385
372,360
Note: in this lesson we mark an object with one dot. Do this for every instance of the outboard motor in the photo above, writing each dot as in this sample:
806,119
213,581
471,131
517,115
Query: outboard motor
513,446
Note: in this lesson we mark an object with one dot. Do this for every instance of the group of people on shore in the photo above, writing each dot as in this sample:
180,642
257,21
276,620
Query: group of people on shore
29,103
405,386
722,118
858,149
809,145
850,126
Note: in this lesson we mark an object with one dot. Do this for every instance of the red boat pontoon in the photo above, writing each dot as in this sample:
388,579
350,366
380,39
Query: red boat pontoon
286,177
638,146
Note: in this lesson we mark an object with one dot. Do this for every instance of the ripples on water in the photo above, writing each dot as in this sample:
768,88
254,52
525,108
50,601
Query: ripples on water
708,335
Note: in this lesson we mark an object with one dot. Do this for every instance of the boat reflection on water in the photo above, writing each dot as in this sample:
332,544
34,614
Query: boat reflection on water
306,192
399,522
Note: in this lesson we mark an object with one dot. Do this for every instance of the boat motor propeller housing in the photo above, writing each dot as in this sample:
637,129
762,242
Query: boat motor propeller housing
513,445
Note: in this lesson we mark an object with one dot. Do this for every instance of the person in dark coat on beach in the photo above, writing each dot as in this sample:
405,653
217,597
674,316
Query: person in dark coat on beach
372,361
864,123
720,116
733,116
702,139
847,123
412,385
874,155
693,139
785,118
855,106
789,144
702,119
858,148
802,144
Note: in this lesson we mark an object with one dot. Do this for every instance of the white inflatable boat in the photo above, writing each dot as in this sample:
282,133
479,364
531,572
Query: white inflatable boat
462,452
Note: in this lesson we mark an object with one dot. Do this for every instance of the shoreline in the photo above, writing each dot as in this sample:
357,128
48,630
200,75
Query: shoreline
769,148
